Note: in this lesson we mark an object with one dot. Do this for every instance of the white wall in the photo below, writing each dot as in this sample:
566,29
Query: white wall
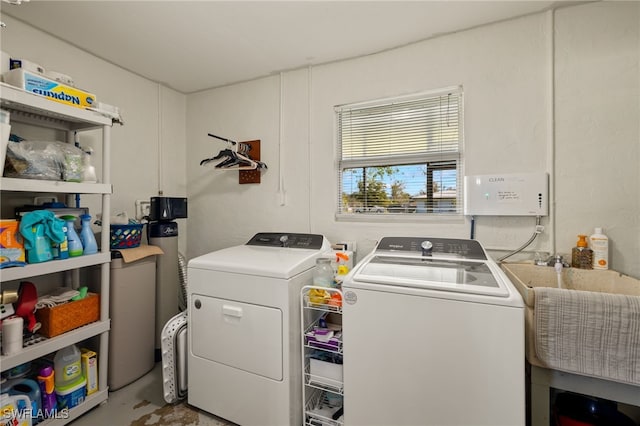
503,71
598,127
147,108
224,212
514,122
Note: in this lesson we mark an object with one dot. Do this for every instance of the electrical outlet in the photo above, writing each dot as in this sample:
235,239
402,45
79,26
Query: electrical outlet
143,208
350,245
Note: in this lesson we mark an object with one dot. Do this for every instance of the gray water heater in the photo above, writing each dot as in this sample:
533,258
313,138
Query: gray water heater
163,232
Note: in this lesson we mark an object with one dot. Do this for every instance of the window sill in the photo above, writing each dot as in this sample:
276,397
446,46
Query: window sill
400,218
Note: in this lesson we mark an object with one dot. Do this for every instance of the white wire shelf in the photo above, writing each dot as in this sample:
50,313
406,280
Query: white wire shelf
319,411
331,303
322,309
333,346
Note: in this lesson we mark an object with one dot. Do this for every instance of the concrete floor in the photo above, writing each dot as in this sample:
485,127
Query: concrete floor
141,403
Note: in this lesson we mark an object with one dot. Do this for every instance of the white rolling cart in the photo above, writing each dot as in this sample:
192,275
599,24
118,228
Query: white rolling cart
322,382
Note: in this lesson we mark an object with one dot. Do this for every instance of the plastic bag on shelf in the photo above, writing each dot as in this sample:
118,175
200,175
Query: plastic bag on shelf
45,160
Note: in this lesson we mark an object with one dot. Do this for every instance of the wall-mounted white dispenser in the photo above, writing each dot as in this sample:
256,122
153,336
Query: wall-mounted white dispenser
522,194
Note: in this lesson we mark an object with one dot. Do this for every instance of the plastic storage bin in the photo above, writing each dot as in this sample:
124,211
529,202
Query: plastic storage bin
125,236
132,311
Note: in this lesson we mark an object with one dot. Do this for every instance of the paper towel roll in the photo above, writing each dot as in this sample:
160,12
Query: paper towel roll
12,335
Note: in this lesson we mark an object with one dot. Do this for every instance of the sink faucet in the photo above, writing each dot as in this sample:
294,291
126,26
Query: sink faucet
552,260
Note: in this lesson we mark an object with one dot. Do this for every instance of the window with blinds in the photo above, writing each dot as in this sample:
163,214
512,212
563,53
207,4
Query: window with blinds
401,156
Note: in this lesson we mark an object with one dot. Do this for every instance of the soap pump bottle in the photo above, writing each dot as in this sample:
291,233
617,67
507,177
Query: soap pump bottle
86,236
582,255
73,240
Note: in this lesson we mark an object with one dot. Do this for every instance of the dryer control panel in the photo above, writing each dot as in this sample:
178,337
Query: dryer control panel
430,246
289,240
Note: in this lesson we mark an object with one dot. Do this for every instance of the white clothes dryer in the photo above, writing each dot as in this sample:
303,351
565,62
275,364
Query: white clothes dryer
433,335
244,328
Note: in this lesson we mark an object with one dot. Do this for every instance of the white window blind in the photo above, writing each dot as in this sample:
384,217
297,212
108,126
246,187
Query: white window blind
401,156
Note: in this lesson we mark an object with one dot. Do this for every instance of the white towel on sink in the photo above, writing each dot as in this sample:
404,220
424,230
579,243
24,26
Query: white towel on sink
589,333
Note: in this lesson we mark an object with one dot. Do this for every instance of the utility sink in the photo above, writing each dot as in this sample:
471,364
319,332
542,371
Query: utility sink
527,276
590,326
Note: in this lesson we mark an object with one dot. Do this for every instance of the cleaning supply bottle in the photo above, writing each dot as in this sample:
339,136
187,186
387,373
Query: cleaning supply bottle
341,260
582,255
47,391
70,383
63,247
66,365
73,240
30,388
600,246
60,249
86,236
322,277
15,410
89,173
41,250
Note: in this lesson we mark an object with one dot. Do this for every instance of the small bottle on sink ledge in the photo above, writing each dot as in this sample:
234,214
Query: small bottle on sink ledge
600,245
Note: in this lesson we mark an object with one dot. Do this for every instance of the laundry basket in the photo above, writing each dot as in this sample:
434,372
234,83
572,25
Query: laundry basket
125,236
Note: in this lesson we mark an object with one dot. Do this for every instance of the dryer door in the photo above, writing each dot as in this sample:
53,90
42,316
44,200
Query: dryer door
236,334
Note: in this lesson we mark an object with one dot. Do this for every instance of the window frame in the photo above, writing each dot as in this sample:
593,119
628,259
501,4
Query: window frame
399,160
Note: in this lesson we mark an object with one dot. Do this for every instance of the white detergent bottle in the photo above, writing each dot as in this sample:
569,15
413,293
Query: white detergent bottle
16,410
600,246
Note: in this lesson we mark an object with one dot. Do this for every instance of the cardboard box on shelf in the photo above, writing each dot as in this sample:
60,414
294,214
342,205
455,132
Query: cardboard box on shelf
40,85
90,369
11,245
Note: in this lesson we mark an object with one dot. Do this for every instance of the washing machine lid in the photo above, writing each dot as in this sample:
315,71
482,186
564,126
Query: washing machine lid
276,255
451,265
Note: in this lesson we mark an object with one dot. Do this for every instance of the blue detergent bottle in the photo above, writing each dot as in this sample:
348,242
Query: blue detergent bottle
86,236
61,250
73,240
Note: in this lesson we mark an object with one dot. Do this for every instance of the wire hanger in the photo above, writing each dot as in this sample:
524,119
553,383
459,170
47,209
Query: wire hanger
222,139
234,159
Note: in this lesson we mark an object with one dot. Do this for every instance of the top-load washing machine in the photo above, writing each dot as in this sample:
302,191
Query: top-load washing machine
433,335
244,328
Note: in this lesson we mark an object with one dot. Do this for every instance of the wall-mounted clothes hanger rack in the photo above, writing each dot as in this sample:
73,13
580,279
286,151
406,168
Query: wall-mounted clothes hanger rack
241,156
222,139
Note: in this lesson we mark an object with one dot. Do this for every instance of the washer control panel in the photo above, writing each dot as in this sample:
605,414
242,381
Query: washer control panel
431,246
289,240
